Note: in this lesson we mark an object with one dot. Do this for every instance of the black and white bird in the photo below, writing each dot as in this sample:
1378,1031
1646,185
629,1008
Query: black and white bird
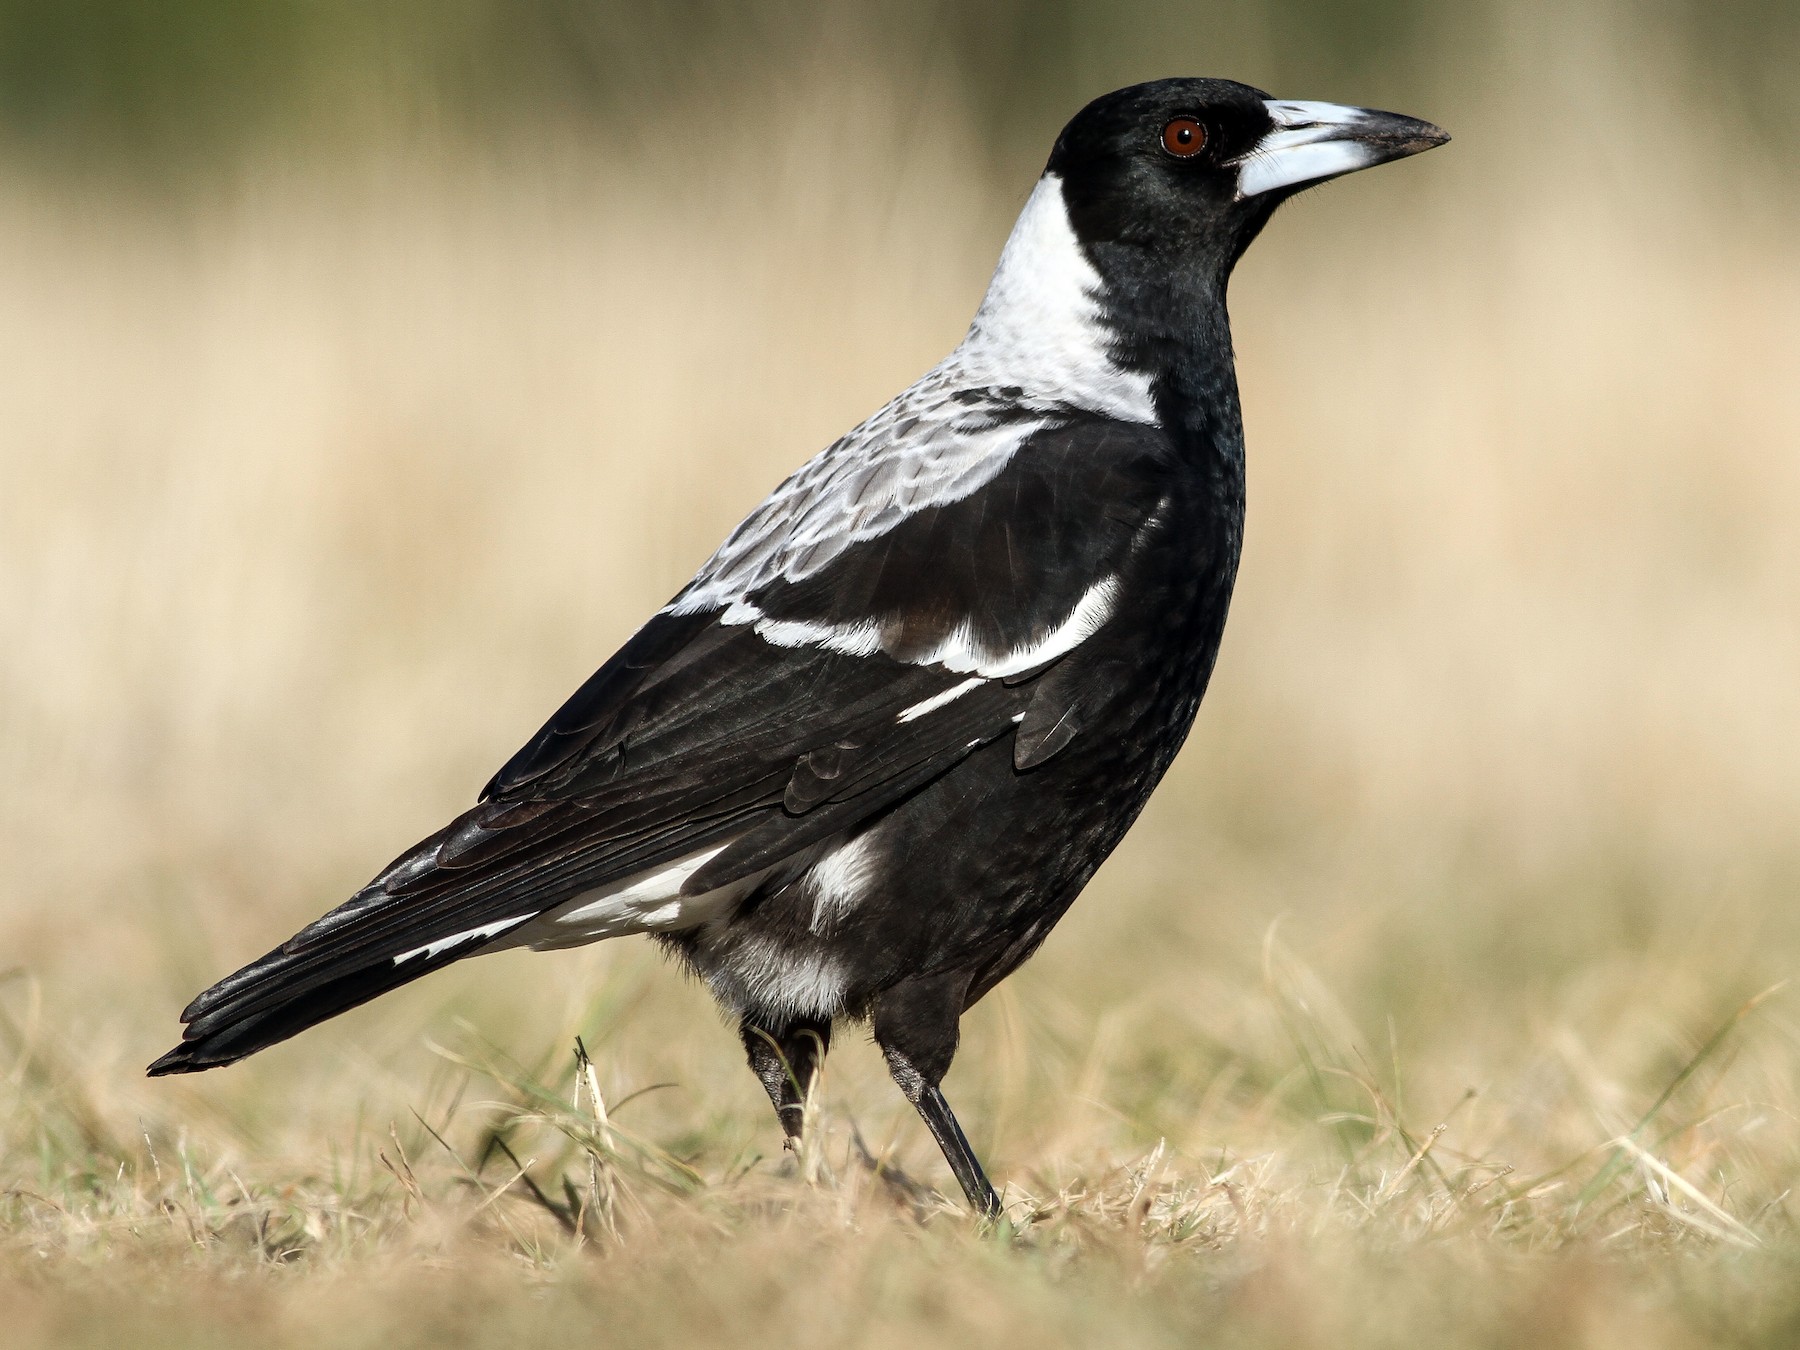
861,764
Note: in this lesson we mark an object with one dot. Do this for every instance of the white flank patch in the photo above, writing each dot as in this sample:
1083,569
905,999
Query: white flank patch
1310,141
839,879
937,701
445,944
775,978
650,902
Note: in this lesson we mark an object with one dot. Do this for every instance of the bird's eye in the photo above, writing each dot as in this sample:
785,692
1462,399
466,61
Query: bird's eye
1184,137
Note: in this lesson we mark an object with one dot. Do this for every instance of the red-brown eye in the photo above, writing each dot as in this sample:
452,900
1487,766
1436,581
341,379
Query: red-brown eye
1184,137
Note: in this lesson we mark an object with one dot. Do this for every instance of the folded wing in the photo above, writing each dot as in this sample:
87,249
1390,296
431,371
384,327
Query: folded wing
743,724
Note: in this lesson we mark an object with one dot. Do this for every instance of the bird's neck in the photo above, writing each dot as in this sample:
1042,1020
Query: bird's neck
1130,338
1187,347
1041,327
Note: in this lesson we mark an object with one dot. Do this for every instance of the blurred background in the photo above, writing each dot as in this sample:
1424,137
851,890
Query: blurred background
369,370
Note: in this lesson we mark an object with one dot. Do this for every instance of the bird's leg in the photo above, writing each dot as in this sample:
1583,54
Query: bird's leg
916,1028
786,1059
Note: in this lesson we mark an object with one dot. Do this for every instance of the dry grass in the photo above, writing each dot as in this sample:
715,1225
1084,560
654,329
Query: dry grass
1421,1009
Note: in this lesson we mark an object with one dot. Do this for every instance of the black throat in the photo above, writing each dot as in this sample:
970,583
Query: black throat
1172,325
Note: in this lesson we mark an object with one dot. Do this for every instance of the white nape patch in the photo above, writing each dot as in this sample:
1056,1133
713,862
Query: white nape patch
1310,141
649,902
1040,325
937,701
1039,346
839,879
431,949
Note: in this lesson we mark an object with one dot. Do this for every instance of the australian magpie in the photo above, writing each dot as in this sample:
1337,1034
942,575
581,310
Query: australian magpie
861,764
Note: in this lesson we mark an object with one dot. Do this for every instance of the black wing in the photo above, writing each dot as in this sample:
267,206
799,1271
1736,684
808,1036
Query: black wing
802,708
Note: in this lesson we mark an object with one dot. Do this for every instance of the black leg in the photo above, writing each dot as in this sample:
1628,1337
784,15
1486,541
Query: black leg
916,1028
786,1060
963,1162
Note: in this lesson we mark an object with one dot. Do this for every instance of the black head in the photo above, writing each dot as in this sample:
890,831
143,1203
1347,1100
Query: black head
1167,183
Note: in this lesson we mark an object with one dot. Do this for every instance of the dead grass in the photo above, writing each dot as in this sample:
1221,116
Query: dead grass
1431,1004
1301,1203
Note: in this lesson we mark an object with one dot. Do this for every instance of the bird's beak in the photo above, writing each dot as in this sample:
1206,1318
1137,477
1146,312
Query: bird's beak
1315,141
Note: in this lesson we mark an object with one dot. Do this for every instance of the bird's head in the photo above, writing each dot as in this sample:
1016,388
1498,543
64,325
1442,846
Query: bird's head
1179,175
1115,274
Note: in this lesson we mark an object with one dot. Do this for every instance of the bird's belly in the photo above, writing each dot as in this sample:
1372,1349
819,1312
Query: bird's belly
970,873
977,866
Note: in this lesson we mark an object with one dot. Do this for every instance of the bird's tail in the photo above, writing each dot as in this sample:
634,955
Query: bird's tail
416,917
458,893
280,996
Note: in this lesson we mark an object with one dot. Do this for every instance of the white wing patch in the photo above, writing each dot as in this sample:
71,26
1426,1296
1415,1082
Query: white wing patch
650,902
961,653
1037,349
472,935
937,701
958,653
852,639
